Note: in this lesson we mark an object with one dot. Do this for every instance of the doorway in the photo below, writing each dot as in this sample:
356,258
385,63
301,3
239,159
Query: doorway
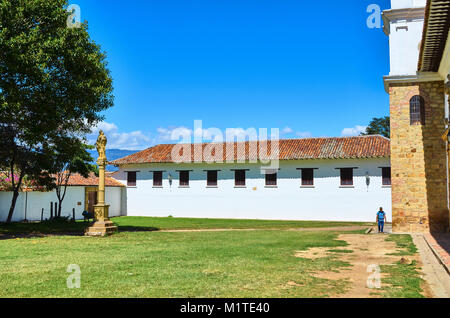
90,199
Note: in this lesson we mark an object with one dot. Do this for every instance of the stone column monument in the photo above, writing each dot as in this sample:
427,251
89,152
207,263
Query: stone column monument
102,225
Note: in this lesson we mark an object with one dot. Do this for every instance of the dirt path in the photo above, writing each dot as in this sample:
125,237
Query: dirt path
367,250
337,228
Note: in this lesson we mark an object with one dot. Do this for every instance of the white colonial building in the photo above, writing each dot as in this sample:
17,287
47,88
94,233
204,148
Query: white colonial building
81,195
336,179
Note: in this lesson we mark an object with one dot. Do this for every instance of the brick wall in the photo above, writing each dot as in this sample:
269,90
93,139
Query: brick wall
418,160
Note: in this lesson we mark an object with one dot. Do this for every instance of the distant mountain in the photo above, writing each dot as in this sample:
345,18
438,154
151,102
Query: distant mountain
113,154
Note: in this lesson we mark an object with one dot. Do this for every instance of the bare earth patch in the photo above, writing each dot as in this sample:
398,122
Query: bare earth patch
366,250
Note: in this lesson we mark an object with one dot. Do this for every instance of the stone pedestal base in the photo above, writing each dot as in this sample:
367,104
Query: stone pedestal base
102,226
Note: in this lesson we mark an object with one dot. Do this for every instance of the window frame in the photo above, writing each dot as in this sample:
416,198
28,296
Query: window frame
130,182
417,110
304,179
346,183
384,177
159,184
184,183
213,184
240,184
271,183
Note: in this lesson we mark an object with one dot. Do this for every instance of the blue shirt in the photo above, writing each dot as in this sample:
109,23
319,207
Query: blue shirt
381,215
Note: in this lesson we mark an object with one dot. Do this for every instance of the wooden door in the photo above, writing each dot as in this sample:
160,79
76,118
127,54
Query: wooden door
92,200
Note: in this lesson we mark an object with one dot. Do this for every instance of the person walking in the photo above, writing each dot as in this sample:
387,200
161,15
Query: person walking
381,218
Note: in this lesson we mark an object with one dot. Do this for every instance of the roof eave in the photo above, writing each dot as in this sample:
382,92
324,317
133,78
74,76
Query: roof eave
435,34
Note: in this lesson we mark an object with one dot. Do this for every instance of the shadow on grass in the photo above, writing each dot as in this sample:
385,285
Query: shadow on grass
51,228
138,229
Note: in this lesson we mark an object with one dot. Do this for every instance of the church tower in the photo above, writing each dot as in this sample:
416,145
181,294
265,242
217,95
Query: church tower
417,110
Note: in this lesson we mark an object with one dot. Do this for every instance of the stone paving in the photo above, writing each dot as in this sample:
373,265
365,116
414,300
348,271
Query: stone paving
440,243
432,270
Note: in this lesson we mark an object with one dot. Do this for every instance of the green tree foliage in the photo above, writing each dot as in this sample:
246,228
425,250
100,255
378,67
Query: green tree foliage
379,126
54,83
71,156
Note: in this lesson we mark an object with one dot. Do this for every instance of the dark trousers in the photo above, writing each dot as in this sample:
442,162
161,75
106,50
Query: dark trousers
381,227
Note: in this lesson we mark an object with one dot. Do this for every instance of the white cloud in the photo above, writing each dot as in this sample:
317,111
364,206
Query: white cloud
240,134
303,134
355,131
135,140
173,134
286,131
139,140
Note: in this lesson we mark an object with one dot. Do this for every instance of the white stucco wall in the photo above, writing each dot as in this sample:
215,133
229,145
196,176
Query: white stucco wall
289,201
404,41
38,200
113,197
401,4
405,26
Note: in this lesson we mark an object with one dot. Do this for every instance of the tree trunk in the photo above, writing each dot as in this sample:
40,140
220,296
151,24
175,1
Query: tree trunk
13,206
59,208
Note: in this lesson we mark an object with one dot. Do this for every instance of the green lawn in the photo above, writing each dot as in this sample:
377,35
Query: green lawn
129,223
189,223
143,262
403,280
158,264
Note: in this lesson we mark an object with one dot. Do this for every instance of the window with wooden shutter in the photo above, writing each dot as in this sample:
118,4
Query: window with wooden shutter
239,178
417,110
386,176
157,178
211,178
131,178
184,178
307,177
346,176
271,178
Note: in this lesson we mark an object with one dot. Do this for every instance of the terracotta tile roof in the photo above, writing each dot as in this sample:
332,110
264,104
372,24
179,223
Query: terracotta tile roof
92,180
289,149
79,180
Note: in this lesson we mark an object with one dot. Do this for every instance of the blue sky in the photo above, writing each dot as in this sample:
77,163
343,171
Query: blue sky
305,67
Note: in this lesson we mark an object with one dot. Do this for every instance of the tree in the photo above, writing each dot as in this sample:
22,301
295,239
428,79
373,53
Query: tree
21,163
379,126
54,83
71,157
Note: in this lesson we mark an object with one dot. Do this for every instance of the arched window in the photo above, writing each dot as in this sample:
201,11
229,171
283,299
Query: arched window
417,110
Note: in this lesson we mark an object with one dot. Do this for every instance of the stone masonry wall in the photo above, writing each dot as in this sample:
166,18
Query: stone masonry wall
418,160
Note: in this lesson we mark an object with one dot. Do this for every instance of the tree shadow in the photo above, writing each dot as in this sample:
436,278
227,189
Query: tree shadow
15,236
48,229
138,229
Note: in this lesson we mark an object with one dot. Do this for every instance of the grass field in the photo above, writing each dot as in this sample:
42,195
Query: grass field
143,264
130,223
140,263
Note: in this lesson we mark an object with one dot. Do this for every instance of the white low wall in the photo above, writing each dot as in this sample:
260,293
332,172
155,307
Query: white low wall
113,197
75,198
289,201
